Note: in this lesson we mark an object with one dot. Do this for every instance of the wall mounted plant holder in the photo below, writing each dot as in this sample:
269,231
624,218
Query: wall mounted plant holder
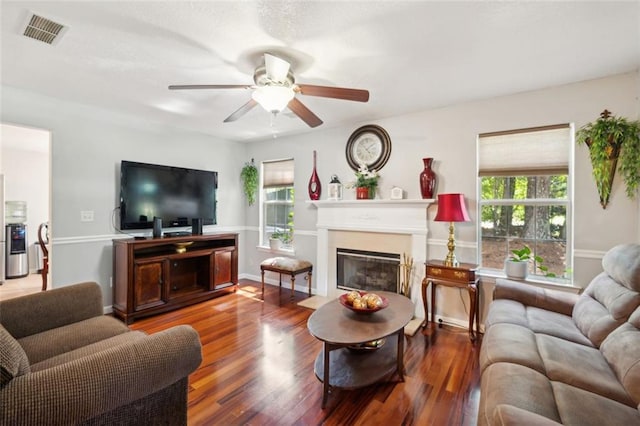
614,144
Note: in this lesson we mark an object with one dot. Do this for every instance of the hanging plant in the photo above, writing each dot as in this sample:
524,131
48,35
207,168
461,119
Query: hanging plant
610,139
249,176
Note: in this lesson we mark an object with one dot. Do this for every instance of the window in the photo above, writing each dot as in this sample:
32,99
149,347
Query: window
525,188
277,201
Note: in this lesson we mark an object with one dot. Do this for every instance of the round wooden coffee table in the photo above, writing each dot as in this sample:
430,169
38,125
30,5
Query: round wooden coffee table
340,329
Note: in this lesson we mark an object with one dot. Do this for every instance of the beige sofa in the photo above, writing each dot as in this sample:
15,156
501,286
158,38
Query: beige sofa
549,357
63,362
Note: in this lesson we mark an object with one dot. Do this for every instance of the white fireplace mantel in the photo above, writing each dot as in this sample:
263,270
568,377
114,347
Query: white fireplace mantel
407,217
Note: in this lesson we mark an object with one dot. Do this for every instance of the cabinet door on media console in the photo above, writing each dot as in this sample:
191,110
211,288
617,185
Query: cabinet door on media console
149,278
222,273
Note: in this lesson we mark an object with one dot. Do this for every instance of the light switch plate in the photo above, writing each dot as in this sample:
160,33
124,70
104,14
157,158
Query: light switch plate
86,216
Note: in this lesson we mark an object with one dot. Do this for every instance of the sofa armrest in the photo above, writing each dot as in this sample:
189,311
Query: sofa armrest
551,300
38,312
506,415
87,387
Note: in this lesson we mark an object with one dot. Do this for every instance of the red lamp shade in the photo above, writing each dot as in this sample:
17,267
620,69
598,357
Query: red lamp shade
451,208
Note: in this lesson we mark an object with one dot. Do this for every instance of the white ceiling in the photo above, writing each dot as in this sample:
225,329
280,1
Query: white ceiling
410,55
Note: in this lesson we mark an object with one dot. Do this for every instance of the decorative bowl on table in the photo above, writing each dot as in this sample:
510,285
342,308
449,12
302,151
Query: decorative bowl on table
362,302
182,247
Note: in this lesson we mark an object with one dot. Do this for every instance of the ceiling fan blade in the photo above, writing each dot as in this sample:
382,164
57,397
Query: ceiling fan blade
304,113
241,111
277,68
209,86
334,92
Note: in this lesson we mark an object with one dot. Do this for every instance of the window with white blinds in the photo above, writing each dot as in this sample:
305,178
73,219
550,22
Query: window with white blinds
277,173
525,152
524,189
277,201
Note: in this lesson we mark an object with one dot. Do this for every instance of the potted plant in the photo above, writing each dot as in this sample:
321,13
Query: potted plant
275,243
517,265
249,176
280,238
366,183
610,138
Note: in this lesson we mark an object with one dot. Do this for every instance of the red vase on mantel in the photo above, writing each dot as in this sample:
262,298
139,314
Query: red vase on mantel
427,180
362,193
314,183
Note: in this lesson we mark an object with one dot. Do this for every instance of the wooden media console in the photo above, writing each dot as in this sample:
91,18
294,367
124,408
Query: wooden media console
156,275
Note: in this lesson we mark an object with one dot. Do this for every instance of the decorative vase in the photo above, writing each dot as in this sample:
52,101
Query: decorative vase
427,179
314,183
372,193
362,193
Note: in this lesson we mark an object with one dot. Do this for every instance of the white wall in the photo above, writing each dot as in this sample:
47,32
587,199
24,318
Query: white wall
87,147
88,143
449,135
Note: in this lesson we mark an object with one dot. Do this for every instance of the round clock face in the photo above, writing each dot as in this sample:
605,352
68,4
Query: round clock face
369,146
366,149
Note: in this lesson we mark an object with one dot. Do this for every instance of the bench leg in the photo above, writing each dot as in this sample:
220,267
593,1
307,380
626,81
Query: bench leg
293,281
262,284
309,279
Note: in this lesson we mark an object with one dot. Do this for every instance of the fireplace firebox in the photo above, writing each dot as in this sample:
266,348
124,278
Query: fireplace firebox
367,270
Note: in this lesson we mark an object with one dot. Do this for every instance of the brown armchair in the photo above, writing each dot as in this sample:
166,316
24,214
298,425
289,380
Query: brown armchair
63,362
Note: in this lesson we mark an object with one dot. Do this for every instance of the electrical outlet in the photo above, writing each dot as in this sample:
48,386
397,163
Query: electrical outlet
111,282
86,216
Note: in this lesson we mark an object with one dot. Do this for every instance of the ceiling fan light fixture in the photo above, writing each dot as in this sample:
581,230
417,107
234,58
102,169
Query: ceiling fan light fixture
273,98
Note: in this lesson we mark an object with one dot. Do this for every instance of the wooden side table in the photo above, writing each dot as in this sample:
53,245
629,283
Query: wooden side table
461,276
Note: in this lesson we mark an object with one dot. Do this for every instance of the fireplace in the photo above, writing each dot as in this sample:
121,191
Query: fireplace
367,270
394,226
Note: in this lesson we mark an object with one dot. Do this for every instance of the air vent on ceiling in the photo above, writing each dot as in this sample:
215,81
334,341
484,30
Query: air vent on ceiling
43,29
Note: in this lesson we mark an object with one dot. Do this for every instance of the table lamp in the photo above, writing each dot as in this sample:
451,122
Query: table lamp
451,209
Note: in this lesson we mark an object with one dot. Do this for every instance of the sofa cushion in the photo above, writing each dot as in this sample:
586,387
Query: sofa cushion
88,350
622,263
513,384
505,311
621,351
13,359
34,313
510,343
50,343
505,414
580,366
584,408
603,307
555,324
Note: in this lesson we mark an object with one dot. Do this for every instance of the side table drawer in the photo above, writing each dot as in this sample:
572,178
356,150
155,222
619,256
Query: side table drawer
453,274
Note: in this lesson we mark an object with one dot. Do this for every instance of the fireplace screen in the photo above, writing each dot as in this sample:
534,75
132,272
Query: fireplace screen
367,270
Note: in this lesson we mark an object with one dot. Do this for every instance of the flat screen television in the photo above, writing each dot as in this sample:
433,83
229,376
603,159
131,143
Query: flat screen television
175,194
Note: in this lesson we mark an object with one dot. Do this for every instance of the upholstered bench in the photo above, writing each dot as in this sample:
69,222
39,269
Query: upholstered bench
289,266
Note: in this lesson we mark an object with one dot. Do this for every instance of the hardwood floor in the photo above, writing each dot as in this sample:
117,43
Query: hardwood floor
17,287
258,360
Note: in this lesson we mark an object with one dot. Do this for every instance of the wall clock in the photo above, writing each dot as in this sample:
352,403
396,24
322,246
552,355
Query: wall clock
369,145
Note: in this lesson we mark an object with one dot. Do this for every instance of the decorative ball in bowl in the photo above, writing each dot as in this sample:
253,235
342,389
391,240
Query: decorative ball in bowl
362,302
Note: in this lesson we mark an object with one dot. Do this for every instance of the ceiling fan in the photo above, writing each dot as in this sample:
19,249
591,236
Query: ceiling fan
275,89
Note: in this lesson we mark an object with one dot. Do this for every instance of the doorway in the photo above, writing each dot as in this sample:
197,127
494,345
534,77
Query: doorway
25,163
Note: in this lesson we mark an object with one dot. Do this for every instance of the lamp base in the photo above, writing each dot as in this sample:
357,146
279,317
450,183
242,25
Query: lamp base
451,260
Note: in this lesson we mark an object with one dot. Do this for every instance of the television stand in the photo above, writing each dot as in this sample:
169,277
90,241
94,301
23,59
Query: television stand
176,234
162,274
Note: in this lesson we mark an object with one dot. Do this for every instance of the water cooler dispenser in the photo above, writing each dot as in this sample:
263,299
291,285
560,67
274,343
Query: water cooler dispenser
16,251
